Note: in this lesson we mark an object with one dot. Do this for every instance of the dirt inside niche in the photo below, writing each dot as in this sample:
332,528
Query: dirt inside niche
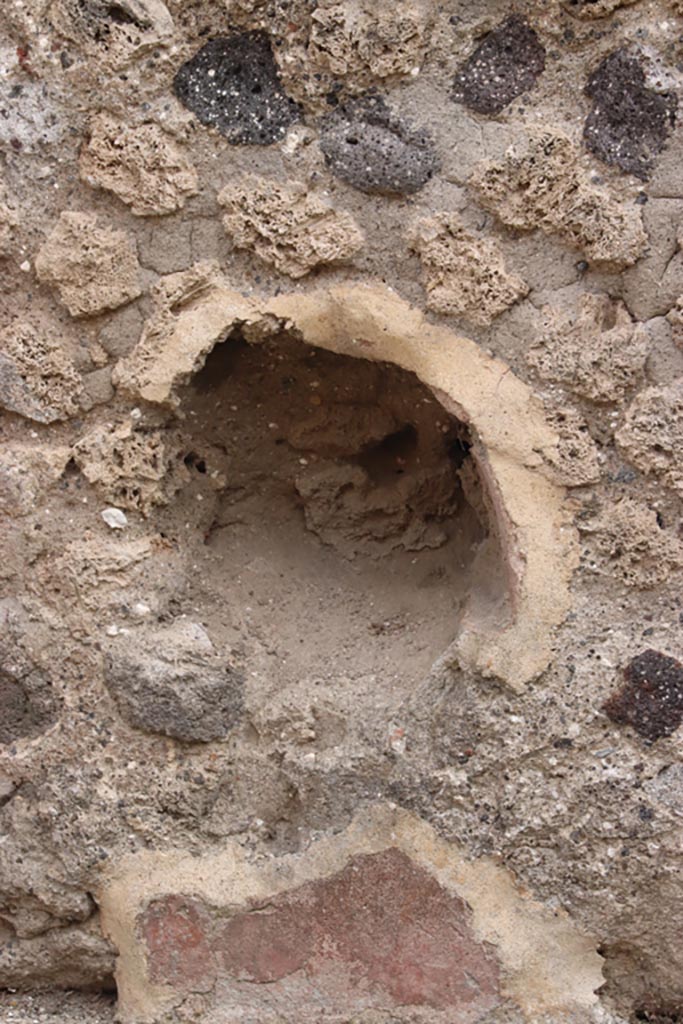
349,526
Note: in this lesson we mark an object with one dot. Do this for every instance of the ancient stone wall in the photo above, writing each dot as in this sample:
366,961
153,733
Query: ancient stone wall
341,464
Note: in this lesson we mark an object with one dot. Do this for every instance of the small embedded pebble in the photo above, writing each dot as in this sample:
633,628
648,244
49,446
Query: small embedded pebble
114,518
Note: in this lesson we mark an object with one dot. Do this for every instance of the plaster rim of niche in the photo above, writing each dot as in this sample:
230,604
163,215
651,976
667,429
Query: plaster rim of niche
514,444
548,963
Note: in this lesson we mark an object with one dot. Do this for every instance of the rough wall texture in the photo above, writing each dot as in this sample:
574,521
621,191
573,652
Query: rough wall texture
341,398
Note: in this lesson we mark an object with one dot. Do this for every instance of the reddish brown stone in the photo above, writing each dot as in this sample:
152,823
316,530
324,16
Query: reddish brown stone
381,933
652,698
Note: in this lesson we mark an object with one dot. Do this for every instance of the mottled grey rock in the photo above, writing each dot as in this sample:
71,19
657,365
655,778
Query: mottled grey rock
77,956
27,701
232,84
16,396
172,681
115,33
15,708
37,379
369,147
667,787
629,122
506,63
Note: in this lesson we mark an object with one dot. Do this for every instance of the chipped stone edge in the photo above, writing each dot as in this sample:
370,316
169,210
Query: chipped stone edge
547,962
514,444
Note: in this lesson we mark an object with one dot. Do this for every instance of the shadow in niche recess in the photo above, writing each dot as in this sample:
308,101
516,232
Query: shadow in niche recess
120,16
652,1015
345,540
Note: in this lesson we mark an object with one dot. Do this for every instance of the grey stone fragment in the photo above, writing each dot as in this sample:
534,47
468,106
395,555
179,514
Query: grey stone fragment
73,957
175,684
232,84
629,123
15,710
36,380
16,396
27,702
506,63
97,388
369,147
667,787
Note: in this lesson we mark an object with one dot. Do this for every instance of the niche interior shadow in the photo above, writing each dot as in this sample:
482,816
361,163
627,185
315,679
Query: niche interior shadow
345,538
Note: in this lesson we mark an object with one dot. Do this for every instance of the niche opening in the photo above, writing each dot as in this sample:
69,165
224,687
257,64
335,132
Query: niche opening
351,527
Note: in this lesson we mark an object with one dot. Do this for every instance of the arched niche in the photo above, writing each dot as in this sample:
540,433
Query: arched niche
507,625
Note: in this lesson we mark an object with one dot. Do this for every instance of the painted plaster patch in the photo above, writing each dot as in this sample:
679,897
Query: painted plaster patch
429,930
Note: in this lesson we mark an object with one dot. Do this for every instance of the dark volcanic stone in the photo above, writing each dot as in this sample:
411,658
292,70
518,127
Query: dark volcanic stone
629,122
27,697
652,698
505,64
232,84
16,716
375,151
26,704
175,685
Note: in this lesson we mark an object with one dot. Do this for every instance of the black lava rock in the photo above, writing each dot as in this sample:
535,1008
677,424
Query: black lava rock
370,148
629,122
651,699
232,84
505,64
